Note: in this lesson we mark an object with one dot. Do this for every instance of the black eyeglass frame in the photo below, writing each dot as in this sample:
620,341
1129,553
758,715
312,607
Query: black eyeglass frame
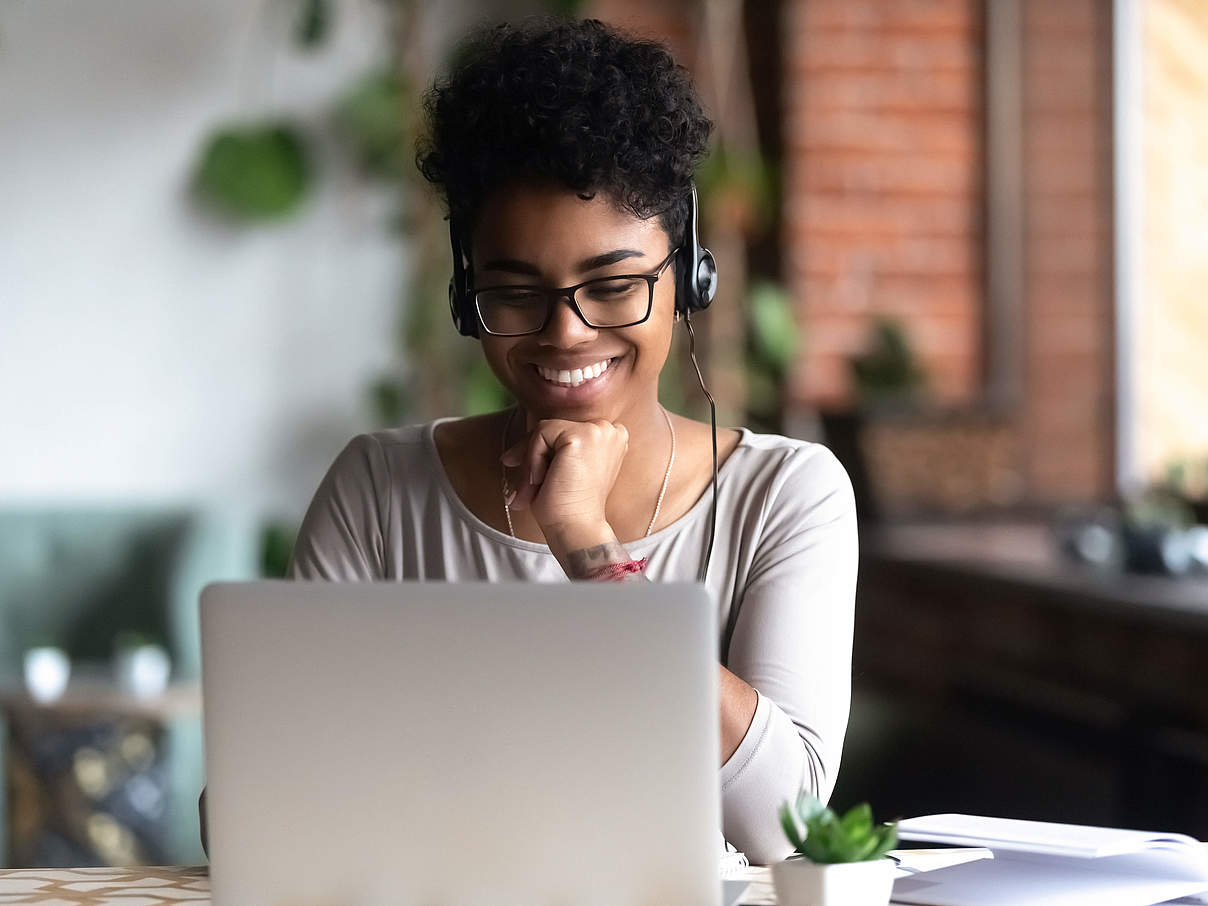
552,296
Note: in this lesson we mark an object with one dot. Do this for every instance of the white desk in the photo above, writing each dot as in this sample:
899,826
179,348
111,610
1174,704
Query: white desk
165,886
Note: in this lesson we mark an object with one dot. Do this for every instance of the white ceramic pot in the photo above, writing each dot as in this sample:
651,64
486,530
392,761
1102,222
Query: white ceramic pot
142,670
47,670
800,882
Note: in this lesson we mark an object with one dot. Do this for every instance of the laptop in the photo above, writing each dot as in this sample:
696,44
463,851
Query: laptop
461,743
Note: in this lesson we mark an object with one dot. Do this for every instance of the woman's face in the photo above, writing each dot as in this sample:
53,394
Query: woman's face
552,237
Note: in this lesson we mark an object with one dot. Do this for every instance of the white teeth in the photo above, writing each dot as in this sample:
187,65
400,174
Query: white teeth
577,376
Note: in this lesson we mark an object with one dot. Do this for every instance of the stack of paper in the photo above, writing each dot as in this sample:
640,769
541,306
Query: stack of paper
1054,864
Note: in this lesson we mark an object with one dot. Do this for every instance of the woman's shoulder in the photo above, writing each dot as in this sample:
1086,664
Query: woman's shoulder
387,453
791,476
788,457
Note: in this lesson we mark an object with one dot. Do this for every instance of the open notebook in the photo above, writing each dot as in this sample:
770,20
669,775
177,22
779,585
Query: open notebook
1054,864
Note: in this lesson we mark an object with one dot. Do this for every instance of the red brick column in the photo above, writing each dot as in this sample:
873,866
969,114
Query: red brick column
883,181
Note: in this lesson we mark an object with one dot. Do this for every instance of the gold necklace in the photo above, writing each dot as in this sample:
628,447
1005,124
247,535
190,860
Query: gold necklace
507,510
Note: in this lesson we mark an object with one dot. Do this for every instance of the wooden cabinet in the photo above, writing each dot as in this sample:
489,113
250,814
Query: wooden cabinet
990,677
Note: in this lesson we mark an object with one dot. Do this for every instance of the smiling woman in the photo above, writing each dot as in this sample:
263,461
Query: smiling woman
565,152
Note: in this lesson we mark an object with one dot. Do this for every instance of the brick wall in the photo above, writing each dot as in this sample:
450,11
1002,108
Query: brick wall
883,181
883,160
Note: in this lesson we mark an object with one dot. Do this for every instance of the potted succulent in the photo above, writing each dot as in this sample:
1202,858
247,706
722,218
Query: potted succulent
838,860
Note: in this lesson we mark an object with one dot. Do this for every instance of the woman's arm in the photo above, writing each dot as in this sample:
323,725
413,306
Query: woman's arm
566,471
792,642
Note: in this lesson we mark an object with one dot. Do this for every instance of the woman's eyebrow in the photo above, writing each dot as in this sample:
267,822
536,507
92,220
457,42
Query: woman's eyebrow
590,264
516,266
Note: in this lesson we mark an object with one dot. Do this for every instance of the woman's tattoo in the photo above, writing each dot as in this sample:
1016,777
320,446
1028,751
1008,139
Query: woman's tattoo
586,561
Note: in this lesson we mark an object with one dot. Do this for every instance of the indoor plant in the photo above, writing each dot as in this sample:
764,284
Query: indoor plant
838,860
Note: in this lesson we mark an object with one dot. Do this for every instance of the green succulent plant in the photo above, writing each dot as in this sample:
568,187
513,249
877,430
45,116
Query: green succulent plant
829,838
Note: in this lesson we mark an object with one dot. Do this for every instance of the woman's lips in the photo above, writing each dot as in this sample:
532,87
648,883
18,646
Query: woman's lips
568,390
574,377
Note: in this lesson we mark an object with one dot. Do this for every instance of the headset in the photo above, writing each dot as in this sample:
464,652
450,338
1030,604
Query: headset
695,287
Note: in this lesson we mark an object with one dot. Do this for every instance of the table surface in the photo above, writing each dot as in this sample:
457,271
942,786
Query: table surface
142,886
89,695
164,885
160,886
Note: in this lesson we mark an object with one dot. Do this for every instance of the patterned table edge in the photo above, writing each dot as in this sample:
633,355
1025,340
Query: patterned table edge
141,886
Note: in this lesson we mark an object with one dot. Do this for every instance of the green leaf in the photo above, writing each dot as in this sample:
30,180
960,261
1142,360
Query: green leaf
888,370
254,172
789,824
773,327
887,841
809,808
389,401
277,541
314,24
857,823
830,839
372,118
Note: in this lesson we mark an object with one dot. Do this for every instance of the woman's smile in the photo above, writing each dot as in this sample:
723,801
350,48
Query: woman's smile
574,384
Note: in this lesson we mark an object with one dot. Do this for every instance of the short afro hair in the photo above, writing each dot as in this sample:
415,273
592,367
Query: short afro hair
575,103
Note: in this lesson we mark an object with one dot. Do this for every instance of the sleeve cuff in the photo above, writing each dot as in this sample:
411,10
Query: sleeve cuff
769,767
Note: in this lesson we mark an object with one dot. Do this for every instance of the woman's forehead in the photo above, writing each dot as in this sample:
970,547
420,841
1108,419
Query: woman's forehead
532,222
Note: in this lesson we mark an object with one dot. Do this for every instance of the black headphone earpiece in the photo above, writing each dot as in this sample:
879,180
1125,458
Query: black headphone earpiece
465,319
698,275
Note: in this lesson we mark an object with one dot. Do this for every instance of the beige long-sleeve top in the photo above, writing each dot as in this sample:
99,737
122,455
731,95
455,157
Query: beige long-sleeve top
783,573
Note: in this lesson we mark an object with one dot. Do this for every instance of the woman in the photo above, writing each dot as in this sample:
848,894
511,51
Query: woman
565,153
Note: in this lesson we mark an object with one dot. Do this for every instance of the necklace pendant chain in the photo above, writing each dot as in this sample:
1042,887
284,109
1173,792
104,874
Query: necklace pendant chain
658,504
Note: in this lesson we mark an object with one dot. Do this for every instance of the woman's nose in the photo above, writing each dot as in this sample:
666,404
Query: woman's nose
565,327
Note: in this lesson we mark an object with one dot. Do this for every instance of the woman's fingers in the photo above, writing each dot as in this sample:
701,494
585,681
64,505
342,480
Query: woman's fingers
579,460
540,453
528,464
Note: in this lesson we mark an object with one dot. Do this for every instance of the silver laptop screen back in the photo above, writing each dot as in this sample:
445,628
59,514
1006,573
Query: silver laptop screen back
392,743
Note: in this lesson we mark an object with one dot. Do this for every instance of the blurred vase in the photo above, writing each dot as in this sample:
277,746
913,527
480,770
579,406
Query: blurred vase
47,670
142,670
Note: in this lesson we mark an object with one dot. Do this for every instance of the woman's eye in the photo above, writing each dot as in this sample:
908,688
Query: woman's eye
514,297
613,289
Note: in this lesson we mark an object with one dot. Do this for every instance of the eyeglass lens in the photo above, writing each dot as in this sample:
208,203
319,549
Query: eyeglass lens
608,302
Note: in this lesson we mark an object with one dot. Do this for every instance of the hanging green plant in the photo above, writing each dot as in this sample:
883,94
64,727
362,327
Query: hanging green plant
254,172
773,328
372,118
313,24
740,185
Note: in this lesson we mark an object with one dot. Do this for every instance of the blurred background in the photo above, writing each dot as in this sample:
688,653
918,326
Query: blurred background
963,242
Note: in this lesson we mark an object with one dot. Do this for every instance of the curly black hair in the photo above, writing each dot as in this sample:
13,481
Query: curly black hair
577,103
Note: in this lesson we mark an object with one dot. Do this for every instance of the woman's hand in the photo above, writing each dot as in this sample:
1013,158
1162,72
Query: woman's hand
563,471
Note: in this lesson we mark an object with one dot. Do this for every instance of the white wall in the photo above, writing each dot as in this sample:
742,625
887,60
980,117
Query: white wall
149,351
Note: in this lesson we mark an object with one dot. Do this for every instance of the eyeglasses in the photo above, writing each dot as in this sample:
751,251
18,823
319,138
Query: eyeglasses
619,301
